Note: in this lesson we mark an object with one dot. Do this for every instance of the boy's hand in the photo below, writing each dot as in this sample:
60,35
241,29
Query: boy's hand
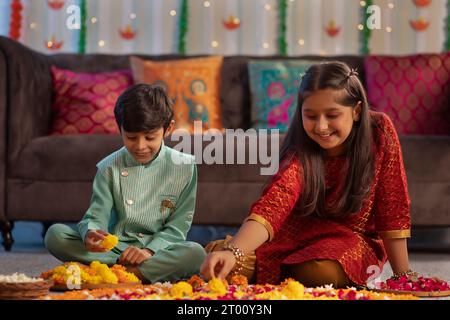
93,240
134,256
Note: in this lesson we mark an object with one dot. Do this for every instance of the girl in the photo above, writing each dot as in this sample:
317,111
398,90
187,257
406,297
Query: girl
339,205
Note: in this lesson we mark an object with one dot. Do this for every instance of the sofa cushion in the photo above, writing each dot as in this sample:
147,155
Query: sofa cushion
413,90
84,102
274,88
192,84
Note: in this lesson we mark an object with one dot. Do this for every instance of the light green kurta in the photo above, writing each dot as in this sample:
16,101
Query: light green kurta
148,206
133,201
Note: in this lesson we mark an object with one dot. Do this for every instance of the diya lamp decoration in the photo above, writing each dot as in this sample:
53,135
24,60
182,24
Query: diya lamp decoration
232,23
332,29
128,33
53,44
55,4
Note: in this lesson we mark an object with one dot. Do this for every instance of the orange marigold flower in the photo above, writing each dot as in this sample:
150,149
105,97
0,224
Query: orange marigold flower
195,281
239,280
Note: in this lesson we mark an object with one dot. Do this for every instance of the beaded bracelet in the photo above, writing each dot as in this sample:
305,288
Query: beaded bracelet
239,255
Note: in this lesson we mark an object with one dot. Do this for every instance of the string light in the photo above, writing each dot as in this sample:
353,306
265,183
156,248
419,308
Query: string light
362,3
133,16
94,20
391,5
265,45
301,42
214,44
33,25
173,13
360,27
388,29
101,43
267,6
206,4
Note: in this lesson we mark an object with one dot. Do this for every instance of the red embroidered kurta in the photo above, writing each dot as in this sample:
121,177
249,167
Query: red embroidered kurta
354,241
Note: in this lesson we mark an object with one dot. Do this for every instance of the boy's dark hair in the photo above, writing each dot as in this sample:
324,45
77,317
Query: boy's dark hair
143,107
338,76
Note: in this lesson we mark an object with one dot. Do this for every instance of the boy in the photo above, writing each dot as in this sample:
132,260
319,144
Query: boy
141,196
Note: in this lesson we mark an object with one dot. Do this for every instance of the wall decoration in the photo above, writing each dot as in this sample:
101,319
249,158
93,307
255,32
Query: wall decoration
55,4
282,44
419,24
229,27
332,29
232,23
53,44
183,27
16,19
422,3
128,33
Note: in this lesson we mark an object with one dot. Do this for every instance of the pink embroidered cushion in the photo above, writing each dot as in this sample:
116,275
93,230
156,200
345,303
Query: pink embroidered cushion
413,90
84,103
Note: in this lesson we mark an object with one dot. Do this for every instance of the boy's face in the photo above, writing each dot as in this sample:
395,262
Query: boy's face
143,146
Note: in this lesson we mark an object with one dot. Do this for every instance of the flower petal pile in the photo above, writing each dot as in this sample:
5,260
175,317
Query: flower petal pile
216,289
416,284
95,273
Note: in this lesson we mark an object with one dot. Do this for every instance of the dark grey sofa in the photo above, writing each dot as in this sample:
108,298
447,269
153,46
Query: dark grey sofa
48,178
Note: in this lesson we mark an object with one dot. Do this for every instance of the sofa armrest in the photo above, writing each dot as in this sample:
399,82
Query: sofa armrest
2,137
28,95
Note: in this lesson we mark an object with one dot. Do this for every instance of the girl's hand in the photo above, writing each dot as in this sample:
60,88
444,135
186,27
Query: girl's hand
217,264
93,239
134,256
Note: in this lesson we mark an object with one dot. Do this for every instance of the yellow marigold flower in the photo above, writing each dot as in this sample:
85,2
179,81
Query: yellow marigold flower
293,290
217,286
109,242
181,289
271,295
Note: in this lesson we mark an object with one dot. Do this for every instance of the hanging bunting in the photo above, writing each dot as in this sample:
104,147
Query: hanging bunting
282,44
365,31
55,4
447,28
82,40
16,20
183,27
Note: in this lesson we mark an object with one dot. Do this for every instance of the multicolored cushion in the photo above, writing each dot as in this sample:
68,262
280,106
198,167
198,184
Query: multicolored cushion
84,102
274,87
413,90
192,84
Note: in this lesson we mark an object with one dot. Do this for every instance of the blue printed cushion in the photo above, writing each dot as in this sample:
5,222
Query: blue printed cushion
274,87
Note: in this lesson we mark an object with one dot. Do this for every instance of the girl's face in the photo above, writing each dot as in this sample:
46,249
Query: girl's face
327,122
143,146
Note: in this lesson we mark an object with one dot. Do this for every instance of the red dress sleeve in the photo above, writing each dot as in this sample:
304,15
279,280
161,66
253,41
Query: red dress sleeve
392,202
279,198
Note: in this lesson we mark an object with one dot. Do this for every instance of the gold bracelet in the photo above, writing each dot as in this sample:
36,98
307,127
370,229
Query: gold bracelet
407,273
239,255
